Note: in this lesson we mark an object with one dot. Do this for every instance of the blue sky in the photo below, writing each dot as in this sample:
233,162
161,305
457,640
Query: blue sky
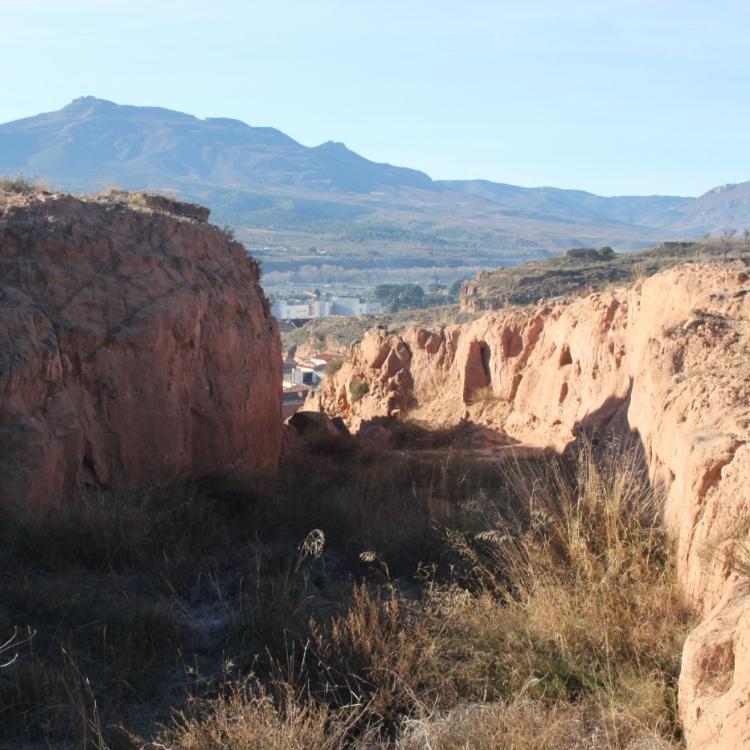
614,96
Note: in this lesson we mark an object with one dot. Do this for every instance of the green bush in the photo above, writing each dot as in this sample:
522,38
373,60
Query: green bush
334,366
358,389
397,296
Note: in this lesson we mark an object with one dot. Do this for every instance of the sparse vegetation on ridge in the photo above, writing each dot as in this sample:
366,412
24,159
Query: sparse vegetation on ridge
563,275
440,602
18,184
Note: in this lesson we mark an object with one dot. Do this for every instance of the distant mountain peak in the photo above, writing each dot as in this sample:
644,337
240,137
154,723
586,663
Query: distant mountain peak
93,142
89,99
338,145
83,102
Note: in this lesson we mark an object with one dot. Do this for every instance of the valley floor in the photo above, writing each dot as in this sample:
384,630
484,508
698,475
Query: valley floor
369,597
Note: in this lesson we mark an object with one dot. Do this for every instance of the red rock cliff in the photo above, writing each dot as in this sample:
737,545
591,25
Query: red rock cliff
670,361
136,346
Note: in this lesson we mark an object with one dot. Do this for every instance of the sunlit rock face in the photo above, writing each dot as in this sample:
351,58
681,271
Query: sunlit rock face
136,347
666,363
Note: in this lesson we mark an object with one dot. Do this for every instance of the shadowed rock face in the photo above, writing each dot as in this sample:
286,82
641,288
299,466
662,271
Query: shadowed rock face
668,364
135,347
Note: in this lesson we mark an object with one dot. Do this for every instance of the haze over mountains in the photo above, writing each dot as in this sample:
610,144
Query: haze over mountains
277,192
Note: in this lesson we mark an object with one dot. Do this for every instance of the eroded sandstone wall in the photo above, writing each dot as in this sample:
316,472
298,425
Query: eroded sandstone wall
668,361
136,346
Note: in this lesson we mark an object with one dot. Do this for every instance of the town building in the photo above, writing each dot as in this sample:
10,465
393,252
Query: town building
298,308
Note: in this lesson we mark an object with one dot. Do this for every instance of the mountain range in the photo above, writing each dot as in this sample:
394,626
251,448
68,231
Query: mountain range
283,196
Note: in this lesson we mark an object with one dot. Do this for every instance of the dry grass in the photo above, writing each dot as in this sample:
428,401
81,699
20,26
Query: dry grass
523,724
484,395
590,613
20,185
367,599
639,274
248,718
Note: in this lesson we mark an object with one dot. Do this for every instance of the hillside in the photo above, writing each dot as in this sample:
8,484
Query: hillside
93,142
331,212
563,275
522,284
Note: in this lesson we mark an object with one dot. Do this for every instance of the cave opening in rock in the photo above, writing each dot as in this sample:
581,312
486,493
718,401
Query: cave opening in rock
477,372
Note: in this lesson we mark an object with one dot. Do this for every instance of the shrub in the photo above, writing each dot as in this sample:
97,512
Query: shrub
409,433
18,184
358,390
606,252
334,366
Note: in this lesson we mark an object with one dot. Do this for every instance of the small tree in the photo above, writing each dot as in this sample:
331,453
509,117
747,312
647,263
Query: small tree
358,389
455,288
726,240
18,184
334,366
606,252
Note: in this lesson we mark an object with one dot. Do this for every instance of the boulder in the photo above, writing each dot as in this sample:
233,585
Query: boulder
317,423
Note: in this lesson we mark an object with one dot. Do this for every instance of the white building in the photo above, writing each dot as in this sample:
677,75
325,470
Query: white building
355,306
322,308
291,309
304,309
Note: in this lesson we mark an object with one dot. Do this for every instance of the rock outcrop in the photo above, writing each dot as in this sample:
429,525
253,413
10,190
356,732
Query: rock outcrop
580,271
136,346
667,361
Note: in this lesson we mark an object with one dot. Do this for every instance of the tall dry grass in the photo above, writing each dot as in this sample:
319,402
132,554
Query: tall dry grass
565,629
367,599
250,718
577,607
